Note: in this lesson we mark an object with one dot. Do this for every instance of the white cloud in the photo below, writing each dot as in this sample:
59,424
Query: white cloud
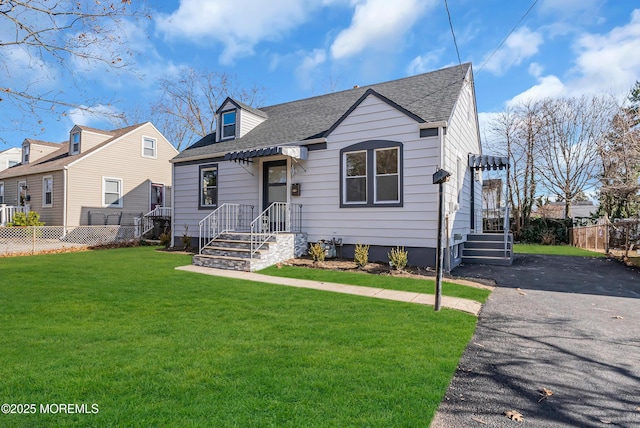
609,62
98,116
569,8
519,46
238,25
535,69
376,23
307,69
423,63
605,64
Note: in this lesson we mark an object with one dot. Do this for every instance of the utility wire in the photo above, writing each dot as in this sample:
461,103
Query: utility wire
510,32
455,43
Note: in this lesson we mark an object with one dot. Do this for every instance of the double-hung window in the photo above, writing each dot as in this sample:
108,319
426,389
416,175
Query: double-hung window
148,147
112,192
371,174
47,191
1,193
25,154
228,124
208,186
75,143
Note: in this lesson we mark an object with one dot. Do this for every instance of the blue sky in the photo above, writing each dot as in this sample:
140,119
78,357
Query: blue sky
296,49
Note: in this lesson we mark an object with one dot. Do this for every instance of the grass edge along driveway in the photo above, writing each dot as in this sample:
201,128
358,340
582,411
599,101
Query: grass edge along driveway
152,346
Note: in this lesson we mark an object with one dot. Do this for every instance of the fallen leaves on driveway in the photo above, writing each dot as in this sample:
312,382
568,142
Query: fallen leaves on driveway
514,415
545,393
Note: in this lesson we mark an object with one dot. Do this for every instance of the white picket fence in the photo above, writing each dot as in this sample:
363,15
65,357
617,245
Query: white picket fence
37,239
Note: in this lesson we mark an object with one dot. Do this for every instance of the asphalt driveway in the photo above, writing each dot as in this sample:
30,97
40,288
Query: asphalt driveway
567,324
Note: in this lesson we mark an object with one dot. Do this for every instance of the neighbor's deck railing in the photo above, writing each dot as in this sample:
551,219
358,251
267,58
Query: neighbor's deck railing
225,218
7,212
279,217
144,223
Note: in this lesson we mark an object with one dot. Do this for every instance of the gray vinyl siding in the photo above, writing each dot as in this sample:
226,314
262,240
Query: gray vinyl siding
89,140
461,139
51,216
236,185
121,159
248,121
414,224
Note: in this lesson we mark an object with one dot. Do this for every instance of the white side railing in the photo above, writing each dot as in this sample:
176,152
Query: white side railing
506,229
7,212
144,223
225,218
279,217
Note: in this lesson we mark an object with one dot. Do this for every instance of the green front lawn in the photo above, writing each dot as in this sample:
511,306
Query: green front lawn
554,250
388,282
152,346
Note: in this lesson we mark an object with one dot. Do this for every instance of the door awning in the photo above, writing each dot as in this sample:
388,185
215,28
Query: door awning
296,152
484,162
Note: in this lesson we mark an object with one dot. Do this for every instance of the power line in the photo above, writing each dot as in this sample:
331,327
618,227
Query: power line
455,43
510,32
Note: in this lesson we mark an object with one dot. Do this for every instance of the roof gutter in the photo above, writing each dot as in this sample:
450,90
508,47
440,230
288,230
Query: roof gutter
431,125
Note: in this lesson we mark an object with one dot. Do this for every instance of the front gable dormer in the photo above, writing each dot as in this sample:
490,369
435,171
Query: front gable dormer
33,150
235,119
82,138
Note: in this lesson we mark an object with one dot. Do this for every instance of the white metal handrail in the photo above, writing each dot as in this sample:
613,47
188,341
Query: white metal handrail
225,218
7,212
144,223
506,229
279,217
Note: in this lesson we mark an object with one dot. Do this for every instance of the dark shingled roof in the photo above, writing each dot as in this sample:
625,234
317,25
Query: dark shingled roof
429,97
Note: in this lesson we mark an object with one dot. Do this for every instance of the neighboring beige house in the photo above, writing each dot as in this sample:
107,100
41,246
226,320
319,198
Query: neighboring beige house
10,157
95,177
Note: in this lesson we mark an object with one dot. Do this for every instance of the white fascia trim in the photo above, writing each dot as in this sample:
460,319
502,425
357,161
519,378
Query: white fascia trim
431,125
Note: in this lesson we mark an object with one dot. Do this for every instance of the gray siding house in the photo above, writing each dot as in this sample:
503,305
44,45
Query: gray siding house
354,166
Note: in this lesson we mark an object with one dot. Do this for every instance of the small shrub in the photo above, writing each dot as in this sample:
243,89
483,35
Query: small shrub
548,237
31,219
186,239
317,252
361,256
165,239
398,258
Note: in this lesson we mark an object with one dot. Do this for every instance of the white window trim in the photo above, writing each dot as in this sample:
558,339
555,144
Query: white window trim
376,175
346,177
120,198
72,151
44,198
235,124
155,147
26,150
2,192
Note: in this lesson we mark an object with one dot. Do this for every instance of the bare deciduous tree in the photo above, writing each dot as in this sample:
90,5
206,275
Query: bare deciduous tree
516,131
620,157
571,132
40,34
186,109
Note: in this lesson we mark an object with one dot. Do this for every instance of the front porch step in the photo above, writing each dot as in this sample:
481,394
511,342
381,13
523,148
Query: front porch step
227,251
222,262
486,252
233,251
494,261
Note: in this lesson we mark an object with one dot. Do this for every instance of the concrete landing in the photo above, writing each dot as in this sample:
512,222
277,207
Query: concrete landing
464,305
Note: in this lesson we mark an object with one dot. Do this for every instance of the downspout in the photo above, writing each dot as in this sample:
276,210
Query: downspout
65,180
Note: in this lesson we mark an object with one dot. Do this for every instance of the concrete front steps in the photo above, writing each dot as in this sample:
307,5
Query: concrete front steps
232,251
488,249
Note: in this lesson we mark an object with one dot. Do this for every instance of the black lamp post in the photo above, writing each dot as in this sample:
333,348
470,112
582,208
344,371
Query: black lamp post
440,177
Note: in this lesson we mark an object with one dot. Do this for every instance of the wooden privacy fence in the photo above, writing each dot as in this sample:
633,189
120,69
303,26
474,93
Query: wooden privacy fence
607,235
590,237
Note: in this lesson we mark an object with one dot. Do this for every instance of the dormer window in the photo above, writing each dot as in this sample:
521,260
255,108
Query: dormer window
75,143
25,154
228,124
